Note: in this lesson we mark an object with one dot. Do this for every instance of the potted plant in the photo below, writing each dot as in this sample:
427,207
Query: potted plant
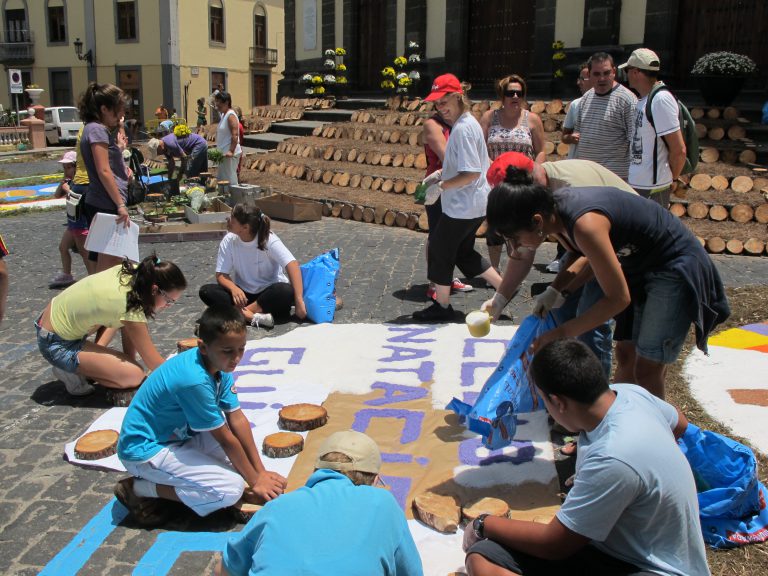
721,76
34,91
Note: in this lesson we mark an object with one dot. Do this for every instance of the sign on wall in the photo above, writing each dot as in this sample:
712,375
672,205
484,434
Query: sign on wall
14,80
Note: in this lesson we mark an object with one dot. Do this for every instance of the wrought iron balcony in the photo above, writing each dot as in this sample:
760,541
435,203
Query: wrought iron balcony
265,56
17,47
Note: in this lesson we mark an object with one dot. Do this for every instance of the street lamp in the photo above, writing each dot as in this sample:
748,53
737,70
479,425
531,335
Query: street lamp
88,56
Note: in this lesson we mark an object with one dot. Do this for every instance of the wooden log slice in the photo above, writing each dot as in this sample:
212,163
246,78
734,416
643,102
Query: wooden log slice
697,113
384,136
715,245
538,107
368,214
354,180
550,125
389,218
338,155
282,445
701,131
731,113
423,221
409,160
742,213
713,113
397,160
317,131
747,156
335,179
302,417
328,152
357,213
734,246
698,210
399,187
387,185
677,209
120,397
96,445
754,246
413,139
421,161
373,158
555,106
549,147
401,219
410,187
716,133
394,138
736,132
719,182
186,344
377,182
701,182
327,209
562,149
413,222
761,213
328,176
742,184
346,211
709,155
336,211
379,212
365,182
352,155
385,160
357,134
436,511
308,151
317,175
487,505
404,136
343,179
360,158
718,213
759,183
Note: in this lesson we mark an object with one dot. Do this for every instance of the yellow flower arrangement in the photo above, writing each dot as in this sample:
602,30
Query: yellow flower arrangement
400,61
388,72
341,52
387,84
181,130
341,80
404,81
341,67
319,90
317,80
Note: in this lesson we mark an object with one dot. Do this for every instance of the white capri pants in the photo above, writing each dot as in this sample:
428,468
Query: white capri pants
198,469
227,169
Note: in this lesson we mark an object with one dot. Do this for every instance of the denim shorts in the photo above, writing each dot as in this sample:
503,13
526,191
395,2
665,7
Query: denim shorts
662,320
57,351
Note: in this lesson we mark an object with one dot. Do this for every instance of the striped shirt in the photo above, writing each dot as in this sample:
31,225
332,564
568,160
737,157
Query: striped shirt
605,123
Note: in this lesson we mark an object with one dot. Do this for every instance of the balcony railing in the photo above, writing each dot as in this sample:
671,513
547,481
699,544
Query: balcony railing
17,47
261,55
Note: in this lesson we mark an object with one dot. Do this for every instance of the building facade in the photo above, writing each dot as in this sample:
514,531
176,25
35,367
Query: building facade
483,40
168,52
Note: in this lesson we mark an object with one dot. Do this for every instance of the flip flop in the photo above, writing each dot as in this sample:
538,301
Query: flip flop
147,512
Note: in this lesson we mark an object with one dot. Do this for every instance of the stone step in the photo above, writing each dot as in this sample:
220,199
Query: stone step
297,127
360,103
331,115
266,140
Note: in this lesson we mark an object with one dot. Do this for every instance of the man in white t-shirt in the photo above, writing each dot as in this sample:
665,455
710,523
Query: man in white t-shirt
657,152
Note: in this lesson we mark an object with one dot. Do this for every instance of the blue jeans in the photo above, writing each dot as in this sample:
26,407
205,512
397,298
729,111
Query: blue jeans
600,339
57,351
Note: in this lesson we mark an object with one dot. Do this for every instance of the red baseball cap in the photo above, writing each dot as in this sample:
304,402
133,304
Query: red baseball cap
498,170
445,84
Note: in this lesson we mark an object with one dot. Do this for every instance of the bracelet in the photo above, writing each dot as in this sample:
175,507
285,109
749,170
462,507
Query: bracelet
121,206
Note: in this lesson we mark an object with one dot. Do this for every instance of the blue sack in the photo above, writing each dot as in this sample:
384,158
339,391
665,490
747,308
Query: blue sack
731,498
507,391
319,279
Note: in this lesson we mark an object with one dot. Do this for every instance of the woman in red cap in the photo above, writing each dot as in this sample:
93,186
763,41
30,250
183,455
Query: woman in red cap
463,192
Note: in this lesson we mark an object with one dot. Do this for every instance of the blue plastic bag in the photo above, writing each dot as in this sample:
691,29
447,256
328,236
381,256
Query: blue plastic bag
319,279
507,391
732,501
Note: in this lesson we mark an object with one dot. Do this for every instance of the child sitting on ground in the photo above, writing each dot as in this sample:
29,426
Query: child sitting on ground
633,508
338,523
77,226
184,437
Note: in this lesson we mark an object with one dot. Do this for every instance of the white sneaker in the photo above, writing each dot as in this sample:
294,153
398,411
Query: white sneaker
75,384
554,266
262,320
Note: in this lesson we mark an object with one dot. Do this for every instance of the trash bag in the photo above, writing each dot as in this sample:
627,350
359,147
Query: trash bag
319,279
732,501
507,391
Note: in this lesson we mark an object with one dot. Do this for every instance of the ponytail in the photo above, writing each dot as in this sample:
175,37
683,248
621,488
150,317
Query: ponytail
258,222
142,277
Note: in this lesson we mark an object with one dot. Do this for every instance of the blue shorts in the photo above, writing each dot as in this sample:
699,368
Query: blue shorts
661,321
57,351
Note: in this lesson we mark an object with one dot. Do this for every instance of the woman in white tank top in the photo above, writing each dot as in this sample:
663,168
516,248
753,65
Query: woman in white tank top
227,138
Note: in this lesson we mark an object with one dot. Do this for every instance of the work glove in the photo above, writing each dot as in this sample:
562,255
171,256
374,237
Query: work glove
495,306
432,194
433,178
547,300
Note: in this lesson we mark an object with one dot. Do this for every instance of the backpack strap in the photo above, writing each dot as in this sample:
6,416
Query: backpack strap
649,116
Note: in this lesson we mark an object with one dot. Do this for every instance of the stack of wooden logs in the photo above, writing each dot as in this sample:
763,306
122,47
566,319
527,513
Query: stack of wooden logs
723,136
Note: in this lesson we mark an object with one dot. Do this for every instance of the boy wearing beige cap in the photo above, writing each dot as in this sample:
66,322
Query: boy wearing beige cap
338,523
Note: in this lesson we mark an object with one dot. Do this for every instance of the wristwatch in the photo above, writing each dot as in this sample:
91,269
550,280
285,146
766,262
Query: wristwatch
478,526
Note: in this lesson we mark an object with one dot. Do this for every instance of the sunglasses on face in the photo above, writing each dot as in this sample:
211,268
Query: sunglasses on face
511,93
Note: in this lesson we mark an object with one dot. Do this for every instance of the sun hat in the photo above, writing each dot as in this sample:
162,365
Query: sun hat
153,145
644,59
69,158
445,84
359,447
498,170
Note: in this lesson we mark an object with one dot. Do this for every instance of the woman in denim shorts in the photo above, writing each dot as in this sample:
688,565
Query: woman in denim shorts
123,296
638,252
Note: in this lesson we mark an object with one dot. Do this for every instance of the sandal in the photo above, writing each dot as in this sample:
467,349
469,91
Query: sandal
147,512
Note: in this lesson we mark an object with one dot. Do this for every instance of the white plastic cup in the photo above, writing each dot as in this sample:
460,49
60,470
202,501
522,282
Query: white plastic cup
479,323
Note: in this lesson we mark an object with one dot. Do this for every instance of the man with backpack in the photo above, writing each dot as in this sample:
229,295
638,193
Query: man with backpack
658,147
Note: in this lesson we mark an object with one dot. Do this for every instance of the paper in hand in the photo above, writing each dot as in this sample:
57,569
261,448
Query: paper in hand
106,236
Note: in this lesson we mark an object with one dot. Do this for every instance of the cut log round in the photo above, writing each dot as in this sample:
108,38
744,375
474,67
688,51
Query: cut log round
397,160
754,246
718,213
409,160
716,133
715,245
328,177
413,139
698,210
736,132
354,180
328,152
357,214
701,131
747,157
373,158
421,161
550,125
317,175
335,179
410,187
538,107
731,113
282,445
186,344
423,221
387,185
734,246
677,209
709,155
713,113
697,113
742,184
377,182
302,417
365,182
352,155
327,209
337,155
555,106
759,183
401,219
346,211
394,138
368,214
742,213
361,158
96,445
761,213
701,182
719,182
562,149
389,218
336,211
487,505
549,147
379,214
385,160
343,179
399,187
437,511
413,222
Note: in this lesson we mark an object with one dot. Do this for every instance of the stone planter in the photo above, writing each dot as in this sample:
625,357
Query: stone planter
719,90
34,94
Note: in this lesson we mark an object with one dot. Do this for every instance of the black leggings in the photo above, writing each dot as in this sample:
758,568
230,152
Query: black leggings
276,299
453,245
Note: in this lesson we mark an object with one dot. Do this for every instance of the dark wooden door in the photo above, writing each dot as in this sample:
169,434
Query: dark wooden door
260,90
704,26
129,82
500,39
371,56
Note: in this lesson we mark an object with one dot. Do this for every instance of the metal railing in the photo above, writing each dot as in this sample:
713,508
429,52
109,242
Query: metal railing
17,47
261,55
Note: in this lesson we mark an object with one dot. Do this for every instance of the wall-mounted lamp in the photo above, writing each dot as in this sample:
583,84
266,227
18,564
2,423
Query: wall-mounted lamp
88,56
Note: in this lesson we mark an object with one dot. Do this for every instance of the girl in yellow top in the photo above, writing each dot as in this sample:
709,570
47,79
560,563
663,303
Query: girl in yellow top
123,296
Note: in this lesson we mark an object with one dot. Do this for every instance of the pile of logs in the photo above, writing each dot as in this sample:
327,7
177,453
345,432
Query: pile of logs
377,215
723,136
358,132
306,103
736,211
750,247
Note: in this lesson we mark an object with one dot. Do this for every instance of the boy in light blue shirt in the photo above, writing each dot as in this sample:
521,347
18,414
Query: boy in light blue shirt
184,437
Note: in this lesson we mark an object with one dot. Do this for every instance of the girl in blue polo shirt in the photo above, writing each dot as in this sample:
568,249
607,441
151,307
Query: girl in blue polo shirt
184,437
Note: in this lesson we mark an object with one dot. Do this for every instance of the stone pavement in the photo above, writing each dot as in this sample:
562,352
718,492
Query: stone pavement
45,501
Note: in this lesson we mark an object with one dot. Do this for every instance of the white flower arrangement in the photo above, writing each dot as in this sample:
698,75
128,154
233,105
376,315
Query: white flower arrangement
330,53
414,59
724,64
401,75
414,75
329,79
413,45
307,78
330,64
402,90
309,91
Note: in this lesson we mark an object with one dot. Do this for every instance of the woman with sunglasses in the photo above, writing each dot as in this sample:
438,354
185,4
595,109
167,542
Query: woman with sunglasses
255,271
123,296
511,128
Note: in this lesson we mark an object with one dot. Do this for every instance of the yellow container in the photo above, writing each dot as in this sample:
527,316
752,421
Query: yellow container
479,323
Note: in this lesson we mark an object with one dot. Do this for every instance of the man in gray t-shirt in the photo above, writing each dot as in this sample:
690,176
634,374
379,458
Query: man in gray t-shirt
633,507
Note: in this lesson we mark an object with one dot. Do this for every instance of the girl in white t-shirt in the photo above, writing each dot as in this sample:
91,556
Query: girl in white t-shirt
255,271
